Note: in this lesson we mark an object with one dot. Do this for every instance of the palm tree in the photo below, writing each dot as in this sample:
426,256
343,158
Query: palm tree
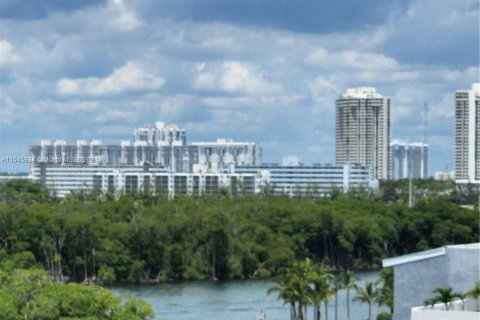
348,282
445,296
301,273
320,289
286,293
428,302
368,294
330,292
385,293
475,293
337,285
294,287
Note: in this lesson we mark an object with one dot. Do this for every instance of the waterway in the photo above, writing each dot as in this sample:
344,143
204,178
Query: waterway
233,300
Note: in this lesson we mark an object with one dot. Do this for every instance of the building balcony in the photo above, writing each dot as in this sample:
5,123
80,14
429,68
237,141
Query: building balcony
467,309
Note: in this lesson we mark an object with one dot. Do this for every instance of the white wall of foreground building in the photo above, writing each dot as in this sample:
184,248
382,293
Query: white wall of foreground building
459,310
417,275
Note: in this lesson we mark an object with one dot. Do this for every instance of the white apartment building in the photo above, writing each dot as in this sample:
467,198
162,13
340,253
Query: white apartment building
161,135
467,135
224,153
362,130
314,180
64,180
409,159
159,145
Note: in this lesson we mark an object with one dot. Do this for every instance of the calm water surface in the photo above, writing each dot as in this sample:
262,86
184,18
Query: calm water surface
232,300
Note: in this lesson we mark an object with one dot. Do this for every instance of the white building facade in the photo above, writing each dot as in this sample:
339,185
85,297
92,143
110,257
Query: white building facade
416,275
314,180
224,153
159,145
467,135
362,130
409,160
64,180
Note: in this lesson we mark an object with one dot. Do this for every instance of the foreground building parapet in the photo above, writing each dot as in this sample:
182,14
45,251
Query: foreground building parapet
458,310
417,275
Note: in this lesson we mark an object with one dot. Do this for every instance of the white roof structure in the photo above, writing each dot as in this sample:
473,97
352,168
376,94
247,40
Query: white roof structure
221,142
423,255
361,93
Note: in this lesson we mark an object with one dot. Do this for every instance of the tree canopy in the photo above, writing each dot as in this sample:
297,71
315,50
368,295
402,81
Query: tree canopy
144,238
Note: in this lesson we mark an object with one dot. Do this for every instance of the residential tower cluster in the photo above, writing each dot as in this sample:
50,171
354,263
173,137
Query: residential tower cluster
160,160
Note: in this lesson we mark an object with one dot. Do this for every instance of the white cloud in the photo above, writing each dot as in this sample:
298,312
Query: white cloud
321,85
227,44
115,115
377,76
324,92
235,77
130,77
121,17
7,54
7,111
351,59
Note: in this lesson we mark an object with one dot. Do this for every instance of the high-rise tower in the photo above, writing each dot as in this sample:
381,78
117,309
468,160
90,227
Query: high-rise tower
409,160
467,135
362,130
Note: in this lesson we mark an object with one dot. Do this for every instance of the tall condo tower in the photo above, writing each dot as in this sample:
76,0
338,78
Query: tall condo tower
467,135
362,130
409,160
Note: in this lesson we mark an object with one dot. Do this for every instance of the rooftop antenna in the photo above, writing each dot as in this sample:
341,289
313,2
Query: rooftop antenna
410,192
425,122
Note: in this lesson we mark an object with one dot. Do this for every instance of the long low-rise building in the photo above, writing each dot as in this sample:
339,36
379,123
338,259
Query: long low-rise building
314,180
62,180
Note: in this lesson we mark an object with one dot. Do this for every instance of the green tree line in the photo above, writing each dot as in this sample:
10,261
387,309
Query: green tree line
143,238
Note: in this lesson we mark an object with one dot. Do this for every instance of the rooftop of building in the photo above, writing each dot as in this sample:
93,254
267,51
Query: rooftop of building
427,254
361,93
398,142
220,141
303,166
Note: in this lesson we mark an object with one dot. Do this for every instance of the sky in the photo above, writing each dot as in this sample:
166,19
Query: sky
266,71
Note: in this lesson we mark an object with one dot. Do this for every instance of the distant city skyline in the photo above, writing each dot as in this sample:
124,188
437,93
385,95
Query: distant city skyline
264,71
